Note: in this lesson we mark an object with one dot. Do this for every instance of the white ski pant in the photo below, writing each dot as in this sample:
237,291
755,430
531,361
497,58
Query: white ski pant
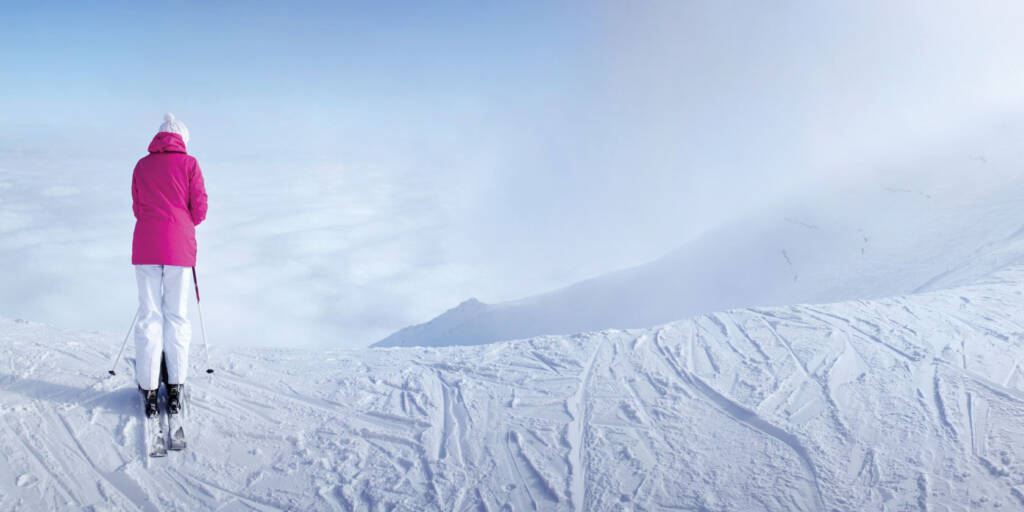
163,325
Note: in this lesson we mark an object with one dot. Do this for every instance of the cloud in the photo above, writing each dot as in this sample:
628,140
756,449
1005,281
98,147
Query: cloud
497,159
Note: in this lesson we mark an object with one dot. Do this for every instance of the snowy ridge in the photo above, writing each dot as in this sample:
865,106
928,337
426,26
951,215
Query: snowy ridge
905,403
873,240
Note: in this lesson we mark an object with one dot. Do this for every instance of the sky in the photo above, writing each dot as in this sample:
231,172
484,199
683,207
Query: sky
372,165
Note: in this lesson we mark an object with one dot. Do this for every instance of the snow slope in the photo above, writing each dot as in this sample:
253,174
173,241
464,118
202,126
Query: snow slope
895,233
906,403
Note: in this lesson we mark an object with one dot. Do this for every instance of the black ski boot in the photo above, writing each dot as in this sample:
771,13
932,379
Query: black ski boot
173,398
150,402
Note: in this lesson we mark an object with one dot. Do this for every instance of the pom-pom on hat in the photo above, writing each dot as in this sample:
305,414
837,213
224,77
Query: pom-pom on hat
172,125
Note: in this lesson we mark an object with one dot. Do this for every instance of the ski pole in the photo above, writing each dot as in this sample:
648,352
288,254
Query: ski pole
119,352
202,327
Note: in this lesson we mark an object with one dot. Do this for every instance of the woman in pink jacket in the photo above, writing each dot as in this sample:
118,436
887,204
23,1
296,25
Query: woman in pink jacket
169,201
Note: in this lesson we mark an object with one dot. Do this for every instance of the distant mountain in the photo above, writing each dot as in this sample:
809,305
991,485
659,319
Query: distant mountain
892,235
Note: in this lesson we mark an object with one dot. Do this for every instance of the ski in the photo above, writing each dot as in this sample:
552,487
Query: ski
175,405
157,446
153,429
177,432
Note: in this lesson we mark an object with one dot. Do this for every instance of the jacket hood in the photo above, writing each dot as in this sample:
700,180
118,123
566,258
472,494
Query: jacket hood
167,142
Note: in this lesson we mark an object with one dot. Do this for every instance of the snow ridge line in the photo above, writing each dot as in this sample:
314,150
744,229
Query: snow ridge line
456,417
447,424
820,380
511,437
871,337
940,405
751,419
785,343
757,346
576,433
970,423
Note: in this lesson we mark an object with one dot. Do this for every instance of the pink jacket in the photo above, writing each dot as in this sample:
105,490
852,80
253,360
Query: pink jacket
169,201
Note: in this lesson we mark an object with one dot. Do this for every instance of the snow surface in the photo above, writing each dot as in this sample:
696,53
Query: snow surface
930,226
905,403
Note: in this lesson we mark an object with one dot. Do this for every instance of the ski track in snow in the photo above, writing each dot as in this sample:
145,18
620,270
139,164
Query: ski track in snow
905,403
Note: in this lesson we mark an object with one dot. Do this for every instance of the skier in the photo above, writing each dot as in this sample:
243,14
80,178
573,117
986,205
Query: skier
169,201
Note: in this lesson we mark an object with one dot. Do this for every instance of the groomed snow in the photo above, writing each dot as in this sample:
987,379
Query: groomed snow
906,403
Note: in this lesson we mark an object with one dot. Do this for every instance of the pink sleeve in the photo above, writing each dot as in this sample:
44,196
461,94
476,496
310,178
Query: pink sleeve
197,196
135,197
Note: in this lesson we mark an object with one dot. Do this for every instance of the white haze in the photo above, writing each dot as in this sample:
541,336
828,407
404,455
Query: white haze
334,224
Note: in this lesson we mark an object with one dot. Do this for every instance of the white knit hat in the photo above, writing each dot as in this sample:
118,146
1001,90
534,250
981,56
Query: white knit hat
174,126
